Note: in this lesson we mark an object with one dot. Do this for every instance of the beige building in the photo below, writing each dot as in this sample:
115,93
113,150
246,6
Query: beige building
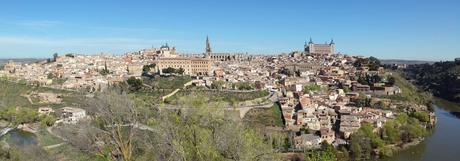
321,49
191,66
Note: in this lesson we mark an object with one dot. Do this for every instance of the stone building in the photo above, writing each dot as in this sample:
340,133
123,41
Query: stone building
224,56
320,49
10,66
191,65
229,57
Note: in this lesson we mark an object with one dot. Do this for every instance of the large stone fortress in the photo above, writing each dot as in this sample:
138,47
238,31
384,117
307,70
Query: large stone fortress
319,49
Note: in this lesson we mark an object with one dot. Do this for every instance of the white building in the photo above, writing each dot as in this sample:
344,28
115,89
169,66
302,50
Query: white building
71,115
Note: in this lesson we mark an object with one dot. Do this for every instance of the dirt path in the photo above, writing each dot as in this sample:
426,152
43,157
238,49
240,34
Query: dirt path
54,146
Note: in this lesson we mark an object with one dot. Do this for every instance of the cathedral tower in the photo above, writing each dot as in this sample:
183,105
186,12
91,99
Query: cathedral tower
208,48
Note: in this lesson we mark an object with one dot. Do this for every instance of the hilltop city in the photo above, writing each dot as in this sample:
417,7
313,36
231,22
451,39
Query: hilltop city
323,96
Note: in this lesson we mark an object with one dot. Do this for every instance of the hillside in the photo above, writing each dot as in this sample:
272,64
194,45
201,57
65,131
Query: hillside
440,78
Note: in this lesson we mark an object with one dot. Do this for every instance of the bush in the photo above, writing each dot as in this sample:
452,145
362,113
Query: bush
169,70
19,115
311,88
147,68
48,120
134,83
421,116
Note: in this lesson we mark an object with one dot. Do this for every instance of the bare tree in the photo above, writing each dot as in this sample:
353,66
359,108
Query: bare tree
117,118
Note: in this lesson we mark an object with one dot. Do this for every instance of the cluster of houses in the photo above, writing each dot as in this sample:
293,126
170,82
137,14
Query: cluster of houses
319,89
74,71
329,113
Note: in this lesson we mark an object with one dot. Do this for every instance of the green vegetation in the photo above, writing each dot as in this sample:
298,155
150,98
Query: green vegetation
216,96
195,132
369,80
18,115
11,94
440,78
21,115
14,94
243,86
134,83
148,91
403,129
47,120
147,68
371,62
218,84
162,83
46,139
422,116
363,142
410,92
326,153
105,71
69,152
171,70
363,101
311,88
265,117
59,81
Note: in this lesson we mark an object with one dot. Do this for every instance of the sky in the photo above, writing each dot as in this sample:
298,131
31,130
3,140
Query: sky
390,29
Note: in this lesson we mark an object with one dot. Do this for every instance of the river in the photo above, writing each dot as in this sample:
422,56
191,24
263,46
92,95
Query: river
20,138
443,144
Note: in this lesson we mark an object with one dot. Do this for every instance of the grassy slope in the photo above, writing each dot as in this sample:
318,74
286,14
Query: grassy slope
265,117
409,91
215,96
11,95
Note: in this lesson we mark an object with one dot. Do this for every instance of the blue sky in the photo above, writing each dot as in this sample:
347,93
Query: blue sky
403,29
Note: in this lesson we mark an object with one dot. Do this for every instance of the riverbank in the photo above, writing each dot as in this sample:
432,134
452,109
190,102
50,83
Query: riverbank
441,144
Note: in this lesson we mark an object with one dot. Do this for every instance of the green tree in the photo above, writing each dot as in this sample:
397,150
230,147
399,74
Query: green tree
421,116
356,150
326,153
47,120
391,133
180,71
169,70
147,68
134,83
391,81
311,88
218,84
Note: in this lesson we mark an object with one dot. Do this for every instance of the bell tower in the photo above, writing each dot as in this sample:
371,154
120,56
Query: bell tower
208,48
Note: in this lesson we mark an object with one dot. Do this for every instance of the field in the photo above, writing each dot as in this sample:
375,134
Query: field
18,94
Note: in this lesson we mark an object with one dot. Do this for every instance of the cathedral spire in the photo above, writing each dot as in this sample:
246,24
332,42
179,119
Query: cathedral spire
208,46
311,41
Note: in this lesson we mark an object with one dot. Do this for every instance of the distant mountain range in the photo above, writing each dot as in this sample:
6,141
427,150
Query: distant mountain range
22,60
400,61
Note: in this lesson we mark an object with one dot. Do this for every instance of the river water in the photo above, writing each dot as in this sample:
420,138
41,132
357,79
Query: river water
444,142
20,138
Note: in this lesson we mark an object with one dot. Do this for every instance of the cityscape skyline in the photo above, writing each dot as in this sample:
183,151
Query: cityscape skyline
426,31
